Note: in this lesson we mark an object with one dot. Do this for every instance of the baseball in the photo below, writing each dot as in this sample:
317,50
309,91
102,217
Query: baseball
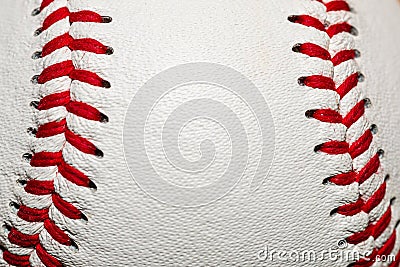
200,133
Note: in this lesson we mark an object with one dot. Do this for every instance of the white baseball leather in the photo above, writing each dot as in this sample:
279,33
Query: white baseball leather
289,211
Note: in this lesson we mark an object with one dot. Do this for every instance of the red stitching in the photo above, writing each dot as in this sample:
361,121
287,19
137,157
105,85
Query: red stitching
339,28
80,16
75,176
82,144
16,260
374,230
47,259
32,214
337,6
39,188
384,250
85,44
308,21
318,82
57,234
342,178
53,128
313,50
333,30
45,3
68,69
327,83
22,240
341,147
396,263
344,56
54,17
361,145
352,209
338,147
66,208
375,199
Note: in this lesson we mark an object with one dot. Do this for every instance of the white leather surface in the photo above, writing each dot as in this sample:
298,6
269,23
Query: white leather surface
290,211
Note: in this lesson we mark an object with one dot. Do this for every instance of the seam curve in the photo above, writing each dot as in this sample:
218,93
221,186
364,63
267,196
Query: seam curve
350,118
24,244
358,144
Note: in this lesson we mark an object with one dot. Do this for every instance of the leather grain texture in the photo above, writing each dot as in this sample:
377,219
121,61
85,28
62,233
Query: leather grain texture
290,211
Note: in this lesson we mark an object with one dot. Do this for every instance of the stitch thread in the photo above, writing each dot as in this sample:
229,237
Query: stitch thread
58,127
338,147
